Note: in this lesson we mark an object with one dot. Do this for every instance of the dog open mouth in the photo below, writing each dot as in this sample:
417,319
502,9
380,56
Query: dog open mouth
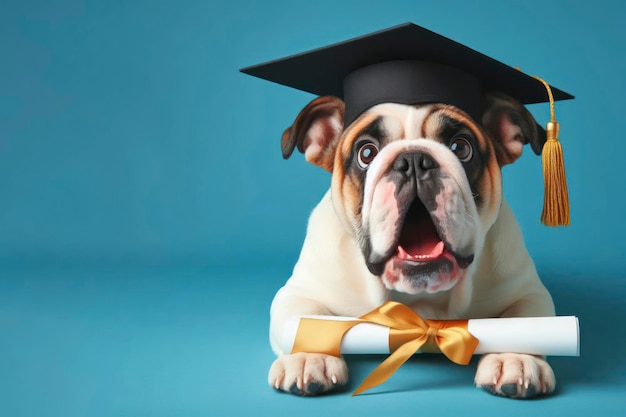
421,259
419,240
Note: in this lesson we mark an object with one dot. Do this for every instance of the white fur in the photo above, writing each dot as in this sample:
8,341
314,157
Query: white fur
331,278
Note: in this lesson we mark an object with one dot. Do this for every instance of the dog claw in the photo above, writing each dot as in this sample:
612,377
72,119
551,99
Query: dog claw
314,387
489,388
509,389
530,391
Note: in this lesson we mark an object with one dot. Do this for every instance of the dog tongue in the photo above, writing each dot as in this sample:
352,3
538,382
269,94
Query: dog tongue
419,240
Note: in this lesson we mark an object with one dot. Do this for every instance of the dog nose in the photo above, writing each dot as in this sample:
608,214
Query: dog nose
418,162
425,162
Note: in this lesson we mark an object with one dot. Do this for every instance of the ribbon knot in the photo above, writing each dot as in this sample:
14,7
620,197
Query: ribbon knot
432,332
408,333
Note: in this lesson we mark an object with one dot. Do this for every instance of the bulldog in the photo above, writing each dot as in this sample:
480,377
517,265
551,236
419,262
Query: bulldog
415,213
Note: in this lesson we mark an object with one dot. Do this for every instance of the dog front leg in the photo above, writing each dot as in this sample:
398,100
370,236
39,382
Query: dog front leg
518,375
301,373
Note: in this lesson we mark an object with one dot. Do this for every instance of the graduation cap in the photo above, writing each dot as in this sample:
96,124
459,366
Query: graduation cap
409,64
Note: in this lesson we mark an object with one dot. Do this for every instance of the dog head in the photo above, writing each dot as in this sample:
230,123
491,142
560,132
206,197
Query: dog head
417,187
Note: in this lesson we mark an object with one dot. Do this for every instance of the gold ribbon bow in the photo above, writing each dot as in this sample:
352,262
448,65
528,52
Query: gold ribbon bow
408,333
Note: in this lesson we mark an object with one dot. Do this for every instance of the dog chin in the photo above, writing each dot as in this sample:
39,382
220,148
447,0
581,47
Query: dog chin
417,277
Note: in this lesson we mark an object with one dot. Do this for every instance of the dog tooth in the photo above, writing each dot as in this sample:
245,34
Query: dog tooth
334,379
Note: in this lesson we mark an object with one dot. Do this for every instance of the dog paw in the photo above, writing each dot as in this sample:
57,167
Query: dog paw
515,375
308,373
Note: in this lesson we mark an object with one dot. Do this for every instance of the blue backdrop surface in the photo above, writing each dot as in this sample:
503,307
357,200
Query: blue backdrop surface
147,216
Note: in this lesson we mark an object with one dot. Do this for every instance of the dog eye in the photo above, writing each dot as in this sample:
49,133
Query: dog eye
367,153
462,148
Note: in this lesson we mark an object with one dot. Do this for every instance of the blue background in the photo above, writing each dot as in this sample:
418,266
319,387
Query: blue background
147,217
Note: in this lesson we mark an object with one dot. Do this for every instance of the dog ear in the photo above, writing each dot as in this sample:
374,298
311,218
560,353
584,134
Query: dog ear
316,131
510,126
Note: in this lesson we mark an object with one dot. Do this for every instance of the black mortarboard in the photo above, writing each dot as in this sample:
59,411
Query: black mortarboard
405,64
409,64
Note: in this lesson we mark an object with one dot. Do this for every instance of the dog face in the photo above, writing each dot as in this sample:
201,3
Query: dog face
417,187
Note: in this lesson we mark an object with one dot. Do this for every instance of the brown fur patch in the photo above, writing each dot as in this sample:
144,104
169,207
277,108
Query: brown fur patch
490,184
350,188
317,117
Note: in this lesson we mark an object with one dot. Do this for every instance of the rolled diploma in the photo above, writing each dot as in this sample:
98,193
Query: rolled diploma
549,336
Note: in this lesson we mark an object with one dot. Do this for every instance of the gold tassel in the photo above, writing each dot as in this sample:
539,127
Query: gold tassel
555,198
